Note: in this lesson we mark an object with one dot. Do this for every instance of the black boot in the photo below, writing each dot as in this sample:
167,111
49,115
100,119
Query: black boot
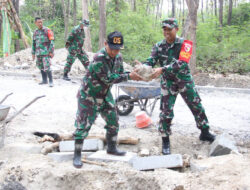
44,77
65,77
206,135
166,145
77,160
111,145
50,79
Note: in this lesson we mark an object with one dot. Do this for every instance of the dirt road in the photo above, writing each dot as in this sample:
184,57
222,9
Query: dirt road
227,110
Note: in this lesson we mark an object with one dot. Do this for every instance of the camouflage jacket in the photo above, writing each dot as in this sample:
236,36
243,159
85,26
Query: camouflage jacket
167,56
43,42
102,73
75,40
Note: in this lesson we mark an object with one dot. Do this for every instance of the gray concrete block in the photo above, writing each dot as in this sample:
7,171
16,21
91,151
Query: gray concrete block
88,145
65,156
103,156
222,145
25,147
196,168
154,162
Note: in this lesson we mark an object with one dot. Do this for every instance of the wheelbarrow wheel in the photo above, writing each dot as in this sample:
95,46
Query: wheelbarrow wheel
123,105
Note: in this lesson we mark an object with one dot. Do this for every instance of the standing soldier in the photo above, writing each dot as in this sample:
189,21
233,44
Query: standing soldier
43,48
173,54
94,95
74,45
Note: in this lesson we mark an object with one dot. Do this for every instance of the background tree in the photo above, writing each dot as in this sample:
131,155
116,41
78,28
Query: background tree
191,24
74,11
85,15
102,22
221,12
17,42
230,8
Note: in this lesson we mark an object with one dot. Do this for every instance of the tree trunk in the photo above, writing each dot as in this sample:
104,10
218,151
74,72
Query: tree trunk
17,42
202,15
183,13
134,5
221,12
53,8
102,18
173,8
74,12
117,9
66,20
215,8
18,23
230,7
85,15
193,6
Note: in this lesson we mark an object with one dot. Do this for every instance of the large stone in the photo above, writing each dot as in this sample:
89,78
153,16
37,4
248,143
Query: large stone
88,145
103,156
222,145
154,162
65,156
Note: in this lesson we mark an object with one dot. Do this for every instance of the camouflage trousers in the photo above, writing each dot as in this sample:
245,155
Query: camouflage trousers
191,98
88,109
82,56
43,63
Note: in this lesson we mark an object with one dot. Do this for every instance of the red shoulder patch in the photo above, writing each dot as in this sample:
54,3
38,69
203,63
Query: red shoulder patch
50,35
186,51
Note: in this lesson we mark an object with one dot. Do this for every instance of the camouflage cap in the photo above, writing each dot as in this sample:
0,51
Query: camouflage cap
115,40
170,23
85,22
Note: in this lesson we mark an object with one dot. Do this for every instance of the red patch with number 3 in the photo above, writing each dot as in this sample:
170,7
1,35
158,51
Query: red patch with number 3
186,51
50,35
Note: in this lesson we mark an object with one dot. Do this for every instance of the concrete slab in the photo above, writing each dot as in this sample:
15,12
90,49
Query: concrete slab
153,162
65,156
88,145
25,147
103,156
222,145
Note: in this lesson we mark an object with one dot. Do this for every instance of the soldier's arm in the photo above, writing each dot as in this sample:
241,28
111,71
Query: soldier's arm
108,77
174,66
52,42
152,60
180,63
70,38
33,49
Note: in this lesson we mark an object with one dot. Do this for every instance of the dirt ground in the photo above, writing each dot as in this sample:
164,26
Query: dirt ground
227,110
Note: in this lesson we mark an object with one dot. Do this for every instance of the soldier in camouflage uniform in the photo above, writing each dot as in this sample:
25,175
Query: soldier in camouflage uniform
43,48
176,78
94,95
74,45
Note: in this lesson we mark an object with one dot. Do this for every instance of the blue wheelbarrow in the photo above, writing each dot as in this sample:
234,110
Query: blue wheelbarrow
142,94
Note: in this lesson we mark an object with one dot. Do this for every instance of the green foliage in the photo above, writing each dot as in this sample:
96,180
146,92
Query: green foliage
138,30
240,15
223,49
219,50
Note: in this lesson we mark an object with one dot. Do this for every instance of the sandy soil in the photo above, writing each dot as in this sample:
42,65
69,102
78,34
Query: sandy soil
227,110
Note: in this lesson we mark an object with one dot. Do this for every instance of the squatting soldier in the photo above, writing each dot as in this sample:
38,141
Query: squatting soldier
173,54
74,45
94,95
43,48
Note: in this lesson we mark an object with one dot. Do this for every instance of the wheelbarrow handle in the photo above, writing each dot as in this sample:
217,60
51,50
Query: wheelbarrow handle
13,116
5,97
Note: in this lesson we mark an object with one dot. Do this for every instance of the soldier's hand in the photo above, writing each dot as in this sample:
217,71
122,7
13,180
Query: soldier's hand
157,73
137,62
33,57
51,55
134,76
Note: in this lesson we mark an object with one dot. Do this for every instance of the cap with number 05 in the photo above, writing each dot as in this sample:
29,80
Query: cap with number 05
115,40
